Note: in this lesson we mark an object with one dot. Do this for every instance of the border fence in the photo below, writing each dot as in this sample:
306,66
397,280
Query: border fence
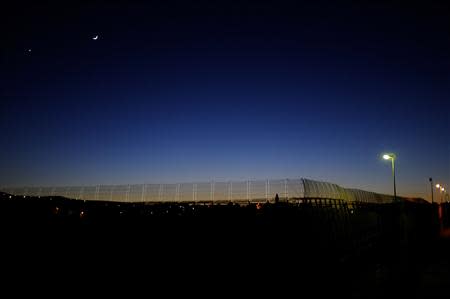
247,191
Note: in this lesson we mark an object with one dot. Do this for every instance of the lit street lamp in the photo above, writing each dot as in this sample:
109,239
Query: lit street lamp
441,190
392,158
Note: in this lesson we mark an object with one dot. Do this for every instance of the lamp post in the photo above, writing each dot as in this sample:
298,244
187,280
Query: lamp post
439,186
441,191
431,184
392,157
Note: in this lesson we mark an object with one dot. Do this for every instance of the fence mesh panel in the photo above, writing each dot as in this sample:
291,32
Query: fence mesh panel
249,190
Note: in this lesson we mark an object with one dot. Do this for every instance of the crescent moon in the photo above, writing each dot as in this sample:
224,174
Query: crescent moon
95,37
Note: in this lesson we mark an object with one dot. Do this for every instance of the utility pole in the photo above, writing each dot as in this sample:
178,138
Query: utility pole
432,191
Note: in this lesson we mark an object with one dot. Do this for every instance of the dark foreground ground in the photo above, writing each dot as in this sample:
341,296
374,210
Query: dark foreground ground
310,249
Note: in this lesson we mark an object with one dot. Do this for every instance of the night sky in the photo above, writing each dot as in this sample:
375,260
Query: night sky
181,91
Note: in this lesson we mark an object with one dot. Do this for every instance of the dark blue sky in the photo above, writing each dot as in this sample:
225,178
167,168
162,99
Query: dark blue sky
180,91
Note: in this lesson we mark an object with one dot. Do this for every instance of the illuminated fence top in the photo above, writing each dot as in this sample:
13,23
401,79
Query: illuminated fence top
254,191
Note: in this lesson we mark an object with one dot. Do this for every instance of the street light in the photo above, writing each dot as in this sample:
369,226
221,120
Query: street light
441,190
431,185
392,157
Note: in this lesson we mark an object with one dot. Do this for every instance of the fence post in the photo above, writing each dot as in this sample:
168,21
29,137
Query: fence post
248,190
111,193
177,193
285,190
212,191
160,192
194,192
127,196
143,192
97,189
